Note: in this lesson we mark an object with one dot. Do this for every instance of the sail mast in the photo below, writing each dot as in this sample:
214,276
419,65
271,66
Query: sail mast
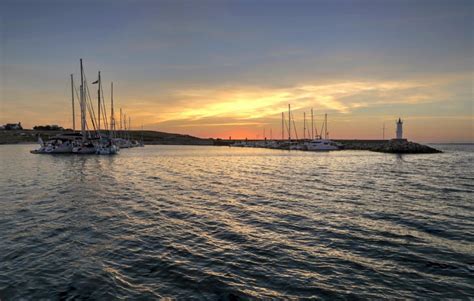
304,125
83,113
312,124
125,134
289,123
326,126
112,116
73,109
98,104
121,133
129,128
282,126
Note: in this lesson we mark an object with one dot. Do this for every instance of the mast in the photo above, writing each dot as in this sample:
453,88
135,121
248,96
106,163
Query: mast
83,113
289,123
73,112
383,131
129,128
112,115
121,122
304,125
98,104
312,126
282,126
326,126
124,123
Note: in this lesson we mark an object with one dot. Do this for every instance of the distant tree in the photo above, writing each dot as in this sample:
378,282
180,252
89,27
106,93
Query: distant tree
48,127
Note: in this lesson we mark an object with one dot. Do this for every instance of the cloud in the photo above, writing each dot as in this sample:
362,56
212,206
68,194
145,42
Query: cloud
248,103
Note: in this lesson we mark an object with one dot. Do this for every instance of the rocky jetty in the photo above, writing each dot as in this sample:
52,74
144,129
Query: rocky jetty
396,146
402,146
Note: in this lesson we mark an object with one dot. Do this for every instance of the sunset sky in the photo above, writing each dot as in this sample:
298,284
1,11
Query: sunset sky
229,68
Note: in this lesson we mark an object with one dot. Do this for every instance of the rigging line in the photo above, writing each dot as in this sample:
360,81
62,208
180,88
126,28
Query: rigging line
90,107
77,96
104,111
286,125
322,126
294,126
316,129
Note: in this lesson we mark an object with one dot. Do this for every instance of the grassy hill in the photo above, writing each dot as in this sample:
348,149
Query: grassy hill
149,137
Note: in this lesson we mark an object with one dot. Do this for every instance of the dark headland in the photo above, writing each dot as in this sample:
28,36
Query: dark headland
155,137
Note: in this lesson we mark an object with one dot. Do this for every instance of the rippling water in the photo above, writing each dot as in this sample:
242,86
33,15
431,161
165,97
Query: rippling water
217,222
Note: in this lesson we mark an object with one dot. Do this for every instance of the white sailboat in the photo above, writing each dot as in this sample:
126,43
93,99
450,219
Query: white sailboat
320,144
85,146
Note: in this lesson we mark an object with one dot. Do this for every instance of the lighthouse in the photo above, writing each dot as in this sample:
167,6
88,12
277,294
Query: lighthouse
399,129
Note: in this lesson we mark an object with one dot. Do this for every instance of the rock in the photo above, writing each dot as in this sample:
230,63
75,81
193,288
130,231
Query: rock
404,147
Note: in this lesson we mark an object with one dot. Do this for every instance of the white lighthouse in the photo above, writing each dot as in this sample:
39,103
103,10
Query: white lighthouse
399,129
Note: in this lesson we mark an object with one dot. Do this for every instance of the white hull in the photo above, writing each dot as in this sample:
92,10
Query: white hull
320,145
108,150
84,150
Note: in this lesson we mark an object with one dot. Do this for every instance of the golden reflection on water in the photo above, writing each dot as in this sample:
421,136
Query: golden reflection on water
175,221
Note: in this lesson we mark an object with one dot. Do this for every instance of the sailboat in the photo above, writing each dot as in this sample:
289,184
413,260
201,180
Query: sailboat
106,144
86,145
320,144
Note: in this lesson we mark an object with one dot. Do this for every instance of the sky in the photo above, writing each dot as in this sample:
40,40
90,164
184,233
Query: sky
230,68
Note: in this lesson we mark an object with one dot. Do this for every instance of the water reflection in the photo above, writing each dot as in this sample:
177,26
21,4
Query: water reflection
210,222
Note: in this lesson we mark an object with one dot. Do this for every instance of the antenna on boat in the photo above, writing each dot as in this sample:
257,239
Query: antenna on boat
73,111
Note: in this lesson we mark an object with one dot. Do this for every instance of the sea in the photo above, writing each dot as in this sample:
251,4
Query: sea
222,223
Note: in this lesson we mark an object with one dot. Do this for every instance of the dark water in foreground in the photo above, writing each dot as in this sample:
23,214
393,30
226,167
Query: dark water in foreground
218,222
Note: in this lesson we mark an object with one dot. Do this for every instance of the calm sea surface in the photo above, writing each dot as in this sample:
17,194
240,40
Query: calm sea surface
220,223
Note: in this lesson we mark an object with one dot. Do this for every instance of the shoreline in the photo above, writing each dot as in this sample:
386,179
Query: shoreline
9,137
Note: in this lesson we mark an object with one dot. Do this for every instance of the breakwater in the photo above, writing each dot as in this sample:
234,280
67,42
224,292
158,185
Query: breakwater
401,146
388,146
